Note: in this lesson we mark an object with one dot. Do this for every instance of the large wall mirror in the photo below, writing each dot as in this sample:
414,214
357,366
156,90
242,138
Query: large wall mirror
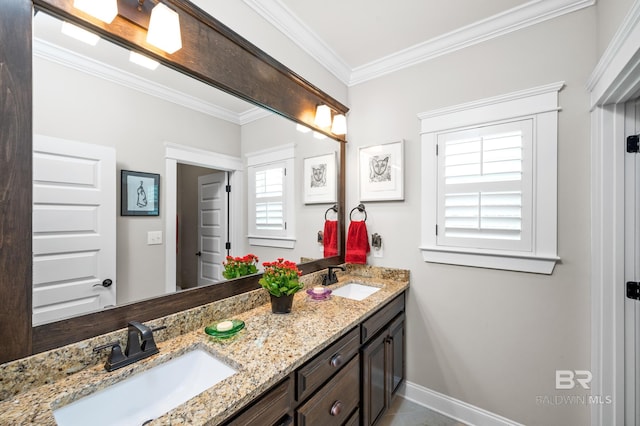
94,109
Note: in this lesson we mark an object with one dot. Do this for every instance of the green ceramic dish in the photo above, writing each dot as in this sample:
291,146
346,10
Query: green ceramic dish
212,329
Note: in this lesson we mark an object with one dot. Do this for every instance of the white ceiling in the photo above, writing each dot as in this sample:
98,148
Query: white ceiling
361,31
360,40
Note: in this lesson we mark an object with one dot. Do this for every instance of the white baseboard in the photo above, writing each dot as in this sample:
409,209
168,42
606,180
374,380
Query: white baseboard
451,407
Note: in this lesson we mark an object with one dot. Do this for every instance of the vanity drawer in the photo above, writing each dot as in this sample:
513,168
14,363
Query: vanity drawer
271,408
335,402
326,364
381,318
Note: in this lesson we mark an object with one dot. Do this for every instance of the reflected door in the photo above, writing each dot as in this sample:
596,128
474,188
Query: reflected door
212,223
74,228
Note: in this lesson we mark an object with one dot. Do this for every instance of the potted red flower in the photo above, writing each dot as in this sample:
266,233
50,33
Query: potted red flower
235,267
280,279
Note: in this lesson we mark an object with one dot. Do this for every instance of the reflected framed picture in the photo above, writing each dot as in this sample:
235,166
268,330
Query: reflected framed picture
381,172
140,194
320,179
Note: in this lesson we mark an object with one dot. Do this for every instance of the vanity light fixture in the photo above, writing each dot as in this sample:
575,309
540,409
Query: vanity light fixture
339,126
80,33
161,22
104,10
164,29
143,61
323,116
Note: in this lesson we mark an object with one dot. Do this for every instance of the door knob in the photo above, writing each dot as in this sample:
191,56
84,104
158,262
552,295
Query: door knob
199,253
105,283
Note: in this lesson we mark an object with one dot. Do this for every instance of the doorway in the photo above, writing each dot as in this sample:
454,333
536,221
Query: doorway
179,154
202,226
632,267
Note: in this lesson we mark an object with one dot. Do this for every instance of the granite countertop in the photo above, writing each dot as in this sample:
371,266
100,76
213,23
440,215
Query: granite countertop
269,348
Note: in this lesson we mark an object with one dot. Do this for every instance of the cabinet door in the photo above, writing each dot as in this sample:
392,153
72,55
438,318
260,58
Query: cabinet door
374,382
272,408
334,403
397,344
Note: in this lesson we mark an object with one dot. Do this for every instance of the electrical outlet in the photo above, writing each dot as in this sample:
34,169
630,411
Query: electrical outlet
378,252
154,237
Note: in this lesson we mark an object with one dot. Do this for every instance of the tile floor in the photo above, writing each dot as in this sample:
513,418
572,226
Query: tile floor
406,413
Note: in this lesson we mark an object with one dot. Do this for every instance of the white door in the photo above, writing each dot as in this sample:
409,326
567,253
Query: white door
632,269
212,227
74,228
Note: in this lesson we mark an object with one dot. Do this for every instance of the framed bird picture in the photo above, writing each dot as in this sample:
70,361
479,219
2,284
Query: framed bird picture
381,172
320,179
140,194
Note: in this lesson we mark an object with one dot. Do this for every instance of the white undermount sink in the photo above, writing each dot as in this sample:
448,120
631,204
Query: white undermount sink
355,291
149,394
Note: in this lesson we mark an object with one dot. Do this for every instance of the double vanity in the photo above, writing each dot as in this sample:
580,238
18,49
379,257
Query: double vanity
335,361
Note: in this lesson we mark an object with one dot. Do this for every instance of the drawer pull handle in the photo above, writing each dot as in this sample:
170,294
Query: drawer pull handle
336,408
337,360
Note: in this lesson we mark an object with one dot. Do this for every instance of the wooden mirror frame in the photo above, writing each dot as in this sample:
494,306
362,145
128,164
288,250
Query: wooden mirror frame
237,67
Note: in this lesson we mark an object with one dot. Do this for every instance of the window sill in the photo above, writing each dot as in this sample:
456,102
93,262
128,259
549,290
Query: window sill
509,261
279,242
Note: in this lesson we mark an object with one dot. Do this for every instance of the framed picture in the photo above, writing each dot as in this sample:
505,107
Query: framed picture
320,179
381,172
140,195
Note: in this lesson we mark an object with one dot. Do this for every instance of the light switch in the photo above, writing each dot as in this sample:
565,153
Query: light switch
154,237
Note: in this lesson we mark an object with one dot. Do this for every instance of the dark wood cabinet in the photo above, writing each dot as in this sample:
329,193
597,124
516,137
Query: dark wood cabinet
349,383
336,402
273,408
327,363
383,362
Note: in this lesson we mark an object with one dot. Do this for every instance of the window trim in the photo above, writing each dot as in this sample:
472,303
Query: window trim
257,159
541,103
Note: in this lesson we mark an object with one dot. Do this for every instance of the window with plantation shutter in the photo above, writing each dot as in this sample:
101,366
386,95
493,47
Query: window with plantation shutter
270,198
484,186
489,182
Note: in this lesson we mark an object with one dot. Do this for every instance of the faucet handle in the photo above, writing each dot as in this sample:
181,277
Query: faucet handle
115,356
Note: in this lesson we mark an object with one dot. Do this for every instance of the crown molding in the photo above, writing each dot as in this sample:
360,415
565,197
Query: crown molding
70,59
283,19
520,17
528,14
618,63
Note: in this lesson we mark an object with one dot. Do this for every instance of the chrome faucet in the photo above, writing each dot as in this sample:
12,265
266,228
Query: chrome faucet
331,277
140,345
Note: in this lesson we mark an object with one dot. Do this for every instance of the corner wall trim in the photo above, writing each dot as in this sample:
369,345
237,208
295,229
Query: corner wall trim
451,407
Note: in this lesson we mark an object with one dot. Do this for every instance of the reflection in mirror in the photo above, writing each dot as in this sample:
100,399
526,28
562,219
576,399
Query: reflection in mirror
95,112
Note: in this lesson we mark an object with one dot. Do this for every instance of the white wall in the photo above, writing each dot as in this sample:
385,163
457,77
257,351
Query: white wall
276,131
491,338
610,14
73,105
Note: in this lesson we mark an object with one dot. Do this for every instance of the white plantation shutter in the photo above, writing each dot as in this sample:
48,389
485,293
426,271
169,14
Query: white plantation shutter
484,187
270,198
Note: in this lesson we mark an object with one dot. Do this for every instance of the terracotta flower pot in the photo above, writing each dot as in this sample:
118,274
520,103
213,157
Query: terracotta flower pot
282,304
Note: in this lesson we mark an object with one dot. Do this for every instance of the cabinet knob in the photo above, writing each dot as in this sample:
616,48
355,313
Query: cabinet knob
336,408
337,360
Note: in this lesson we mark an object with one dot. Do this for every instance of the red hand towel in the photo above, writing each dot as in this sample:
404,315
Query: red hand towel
330,239
357,243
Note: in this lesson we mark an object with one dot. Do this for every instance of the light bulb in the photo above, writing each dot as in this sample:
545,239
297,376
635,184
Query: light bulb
104,10
339,126
164,29
323,116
